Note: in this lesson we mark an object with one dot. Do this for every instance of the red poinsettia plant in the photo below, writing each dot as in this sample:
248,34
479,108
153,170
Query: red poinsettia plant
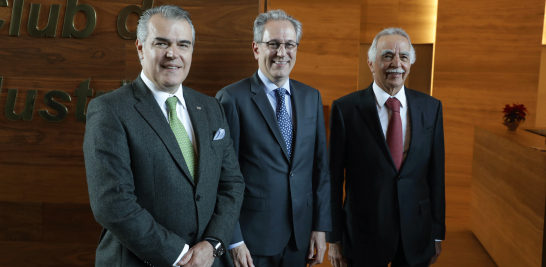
514,113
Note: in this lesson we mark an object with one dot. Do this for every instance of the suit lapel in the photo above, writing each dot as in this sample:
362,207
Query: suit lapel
263,104
199,121
368,110
297,111
414,109
151,112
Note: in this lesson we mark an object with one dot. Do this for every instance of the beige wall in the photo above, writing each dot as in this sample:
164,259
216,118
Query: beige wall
541,96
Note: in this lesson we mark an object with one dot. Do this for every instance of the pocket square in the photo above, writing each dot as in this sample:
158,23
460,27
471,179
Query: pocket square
219,134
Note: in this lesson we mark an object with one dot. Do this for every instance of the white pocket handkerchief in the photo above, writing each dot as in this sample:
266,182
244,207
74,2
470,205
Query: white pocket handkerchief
219,134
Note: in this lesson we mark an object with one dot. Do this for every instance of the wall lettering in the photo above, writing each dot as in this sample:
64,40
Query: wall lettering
51,28
124,15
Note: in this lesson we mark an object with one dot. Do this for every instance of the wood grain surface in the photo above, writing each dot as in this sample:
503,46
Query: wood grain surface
509,195
417,18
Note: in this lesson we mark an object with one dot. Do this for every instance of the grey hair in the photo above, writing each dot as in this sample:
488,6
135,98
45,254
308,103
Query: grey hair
275,15
168,12
372,52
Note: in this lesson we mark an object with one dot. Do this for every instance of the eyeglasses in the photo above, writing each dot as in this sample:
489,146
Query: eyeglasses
275,46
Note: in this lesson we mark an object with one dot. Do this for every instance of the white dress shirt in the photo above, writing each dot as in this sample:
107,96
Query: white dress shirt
181,109
270,87
183,115
385,114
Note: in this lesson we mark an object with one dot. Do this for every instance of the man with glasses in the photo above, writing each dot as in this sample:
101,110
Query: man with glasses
278,132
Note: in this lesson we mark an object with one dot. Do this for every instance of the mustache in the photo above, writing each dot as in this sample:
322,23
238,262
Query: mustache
398,70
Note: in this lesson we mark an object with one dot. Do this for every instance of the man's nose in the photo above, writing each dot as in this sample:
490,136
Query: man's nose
396,61
171,53
281,51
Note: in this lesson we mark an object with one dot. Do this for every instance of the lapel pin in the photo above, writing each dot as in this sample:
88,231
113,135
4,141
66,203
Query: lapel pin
198,107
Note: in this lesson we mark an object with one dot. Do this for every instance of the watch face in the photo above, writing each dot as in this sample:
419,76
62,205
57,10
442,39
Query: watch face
220,251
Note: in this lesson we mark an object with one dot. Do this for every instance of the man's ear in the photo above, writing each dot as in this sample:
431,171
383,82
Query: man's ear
370,64
139,47
256,49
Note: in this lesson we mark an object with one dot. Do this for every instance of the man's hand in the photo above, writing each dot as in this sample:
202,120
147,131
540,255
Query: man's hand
199,255
438,251
318,241
241,256
335,255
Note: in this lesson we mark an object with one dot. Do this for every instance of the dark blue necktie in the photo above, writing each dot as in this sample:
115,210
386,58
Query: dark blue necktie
285,123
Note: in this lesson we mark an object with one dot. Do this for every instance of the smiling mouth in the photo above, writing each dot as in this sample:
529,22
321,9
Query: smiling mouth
395,71
171,67
280,62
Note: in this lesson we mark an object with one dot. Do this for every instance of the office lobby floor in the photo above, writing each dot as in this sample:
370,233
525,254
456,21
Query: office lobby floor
461,248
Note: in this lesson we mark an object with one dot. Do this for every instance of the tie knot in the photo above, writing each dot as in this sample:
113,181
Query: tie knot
280,92
393,104
171,103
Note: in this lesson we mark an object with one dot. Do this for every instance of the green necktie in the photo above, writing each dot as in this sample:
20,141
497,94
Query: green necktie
181,135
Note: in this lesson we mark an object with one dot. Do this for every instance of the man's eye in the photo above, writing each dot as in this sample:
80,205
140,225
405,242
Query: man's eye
290,45
387,56
273,45
161,44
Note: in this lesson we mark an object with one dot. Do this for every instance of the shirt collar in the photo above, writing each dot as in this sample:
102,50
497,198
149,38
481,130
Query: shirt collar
382,96
269,86
161,96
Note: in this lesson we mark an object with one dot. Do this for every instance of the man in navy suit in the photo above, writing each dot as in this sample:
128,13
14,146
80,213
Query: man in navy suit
278,133
387,145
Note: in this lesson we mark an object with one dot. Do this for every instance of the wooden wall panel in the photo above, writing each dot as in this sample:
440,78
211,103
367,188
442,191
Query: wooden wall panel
479,67
329,49
417,18
45,217
31,254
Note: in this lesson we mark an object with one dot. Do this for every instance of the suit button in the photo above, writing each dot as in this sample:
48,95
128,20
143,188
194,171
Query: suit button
399,177
291,174
198,197
193,234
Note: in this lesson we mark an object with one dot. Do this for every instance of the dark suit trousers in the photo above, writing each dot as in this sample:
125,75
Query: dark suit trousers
398,261
289,257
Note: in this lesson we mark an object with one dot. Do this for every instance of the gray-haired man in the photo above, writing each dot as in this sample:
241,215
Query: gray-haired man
163,178
387,147
278,133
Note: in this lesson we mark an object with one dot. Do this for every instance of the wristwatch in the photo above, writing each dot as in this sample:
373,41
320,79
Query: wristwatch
218,249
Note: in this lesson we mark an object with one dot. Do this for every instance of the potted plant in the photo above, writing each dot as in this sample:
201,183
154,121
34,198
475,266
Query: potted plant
513,115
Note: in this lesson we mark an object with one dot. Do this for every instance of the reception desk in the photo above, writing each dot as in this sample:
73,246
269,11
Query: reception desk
509,195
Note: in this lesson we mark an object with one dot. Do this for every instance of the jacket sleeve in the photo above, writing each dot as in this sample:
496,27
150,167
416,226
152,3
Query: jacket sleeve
112,190
230,192
436,178
232,118
337,162
322,220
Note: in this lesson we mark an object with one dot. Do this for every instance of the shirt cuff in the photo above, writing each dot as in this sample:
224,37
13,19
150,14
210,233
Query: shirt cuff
438,240
186,248
232,246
